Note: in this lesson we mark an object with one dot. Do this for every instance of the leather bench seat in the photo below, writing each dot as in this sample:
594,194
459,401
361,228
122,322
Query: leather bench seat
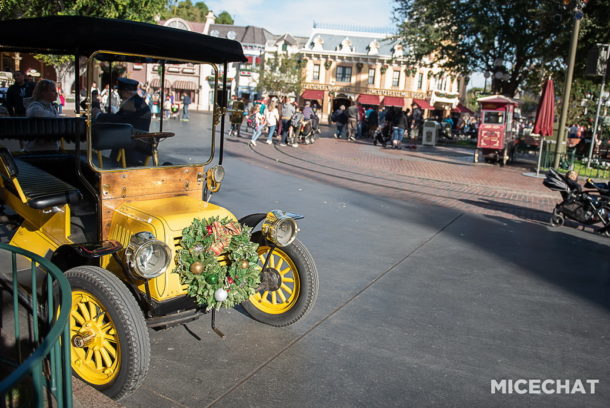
43,190
70,129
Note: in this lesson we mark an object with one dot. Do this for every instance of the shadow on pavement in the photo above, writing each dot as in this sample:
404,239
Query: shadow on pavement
577,263
525,213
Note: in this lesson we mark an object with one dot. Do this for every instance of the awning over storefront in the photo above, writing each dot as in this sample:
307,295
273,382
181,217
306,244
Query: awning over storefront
368,99
422,103
156,83
461,109
186,85
313,94
252,59
394,101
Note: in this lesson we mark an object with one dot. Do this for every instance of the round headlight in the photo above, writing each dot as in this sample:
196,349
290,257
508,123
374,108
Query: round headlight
146,256
218,173
280,229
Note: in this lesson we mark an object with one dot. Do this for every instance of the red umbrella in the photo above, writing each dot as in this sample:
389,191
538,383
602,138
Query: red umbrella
545,114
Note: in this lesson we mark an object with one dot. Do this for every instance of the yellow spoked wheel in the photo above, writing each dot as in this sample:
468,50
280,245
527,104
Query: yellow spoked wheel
289,284
108,333
96,350
281,282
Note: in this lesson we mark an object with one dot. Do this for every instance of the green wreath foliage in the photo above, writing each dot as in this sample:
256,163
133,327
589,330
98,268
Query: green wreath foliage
225,271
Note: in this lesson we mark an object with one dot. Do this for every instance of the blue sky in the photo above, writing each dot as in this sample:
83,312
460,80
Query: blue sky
296,17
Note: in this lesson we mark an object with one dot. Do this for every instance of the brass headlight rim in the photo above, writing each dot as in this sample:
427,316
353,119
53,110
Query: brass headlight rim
271,225
133,250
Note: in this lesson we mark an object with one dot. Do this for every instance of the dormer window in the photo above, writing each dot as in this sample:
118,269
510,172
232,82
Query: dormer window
374,47
346,45
175,23
318,43
398,51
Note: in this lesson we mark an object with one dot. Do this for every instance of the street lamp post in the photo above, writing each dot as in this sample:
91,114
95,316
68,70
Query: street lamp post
606,50
560,145
487,74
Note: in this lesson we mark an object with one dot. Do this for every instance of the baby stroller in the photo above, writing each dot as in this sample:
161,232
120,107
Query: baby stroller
382,134
582,207
310,130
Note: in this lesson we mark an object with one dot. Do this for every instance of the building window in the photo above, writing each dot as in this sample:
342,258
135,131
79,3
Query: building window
344,74
395,78
371,76
316,72
420,80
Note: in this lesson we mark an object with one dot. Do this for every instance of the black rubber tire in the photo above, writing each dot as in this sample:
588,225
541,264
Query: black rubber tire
308,277
129,322
557,219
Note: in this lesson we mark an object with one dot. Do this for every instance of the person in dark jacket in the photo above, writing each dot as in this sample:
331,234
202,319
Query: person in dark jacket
340,119
17,92
133,110
399,124
352,121
372,121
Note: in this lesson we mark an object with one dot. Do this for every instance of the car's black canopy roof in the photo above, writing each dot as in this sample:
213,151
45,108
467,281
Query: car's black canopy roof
76,35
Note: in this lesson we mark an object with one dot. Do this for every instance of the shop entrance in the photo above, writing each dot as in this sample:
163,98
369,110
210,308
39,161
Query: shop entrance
338,101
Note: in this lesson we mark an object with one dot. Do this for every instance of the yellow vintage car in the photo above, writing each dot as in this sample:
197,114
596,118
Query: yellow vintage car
109,205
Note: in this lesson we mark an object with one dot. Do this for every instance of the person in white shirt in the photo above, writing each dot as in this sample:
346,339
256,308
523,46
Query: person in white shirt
272,117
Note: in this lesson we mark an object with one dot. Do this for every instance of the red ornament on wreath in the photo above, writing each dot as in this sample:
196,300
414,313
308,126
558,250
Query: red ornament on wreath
230,280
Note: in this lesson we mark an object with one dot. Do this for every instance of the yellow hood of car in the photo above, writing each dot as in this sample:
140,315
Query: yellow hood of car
176,213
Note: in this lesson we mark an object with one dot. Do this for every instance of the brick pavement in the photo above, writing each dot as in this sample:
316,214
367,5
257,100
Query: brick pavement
442,176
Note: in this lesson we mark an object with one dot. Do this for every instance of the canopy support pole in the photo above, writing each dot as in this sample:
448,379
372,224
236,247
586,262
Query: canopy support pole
223,111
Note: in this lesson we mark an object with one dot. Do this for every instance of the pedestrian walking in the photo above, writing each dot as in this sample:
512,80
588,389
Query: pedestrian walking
296,122
186,101
360,130
372,122
272,117
167,106
399,124
352,121
17,92
417,121
339,117
61,100
287,112
259,122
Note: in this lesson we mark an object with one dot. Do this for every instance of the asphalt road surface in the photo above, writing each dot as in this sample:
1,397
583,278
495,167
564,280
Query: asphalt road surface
419,305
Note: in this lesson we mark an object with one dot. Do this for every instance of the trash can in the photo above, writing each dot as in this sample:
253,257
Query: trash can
431,129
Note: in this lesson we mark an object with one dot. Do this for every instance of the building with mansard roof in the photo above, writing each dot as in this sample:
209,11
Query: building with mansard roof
346,65
242,77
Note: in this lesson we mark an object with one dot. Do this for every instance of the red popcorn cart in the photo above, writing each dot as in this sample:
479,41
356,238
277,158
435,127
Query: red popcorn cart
496,140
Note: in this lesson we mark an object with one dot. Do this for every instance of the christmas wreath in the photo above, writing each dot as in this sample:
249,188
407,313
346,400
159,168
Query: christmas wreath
218,262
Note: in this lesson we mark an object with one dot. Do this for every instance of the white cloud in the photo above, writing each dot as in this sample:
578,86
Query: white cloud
297,17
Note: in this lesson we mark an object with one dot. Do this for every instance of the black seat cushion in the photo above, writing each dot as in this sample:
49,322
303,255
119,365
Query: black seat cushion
70,129
44,190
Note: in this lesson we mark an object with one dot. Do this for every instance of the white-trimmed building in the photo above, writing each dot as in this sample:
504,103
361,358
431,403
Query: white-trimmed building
345,65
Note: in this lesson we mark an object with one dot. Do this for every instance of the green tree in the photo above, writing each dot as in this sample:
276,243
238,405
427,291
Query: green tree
282,75
530,36
135,10
224,18
186,10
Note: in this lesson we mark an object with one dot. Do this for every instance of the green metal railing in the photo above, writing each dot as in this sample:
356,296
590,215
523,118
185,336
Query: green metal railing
571,160
44,378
